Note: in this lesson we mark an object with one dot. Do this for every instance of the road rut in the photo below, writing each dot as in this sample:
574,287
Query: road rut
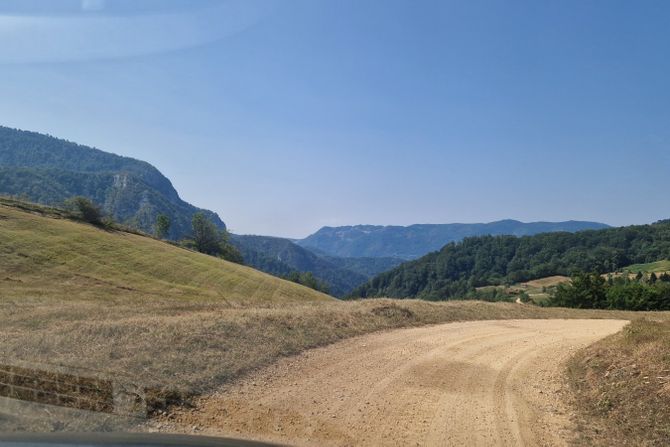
488,383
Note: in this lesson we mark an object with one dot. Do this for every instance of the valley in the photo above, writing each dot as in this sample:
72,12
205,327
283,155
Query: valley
334,223
190,329
49,171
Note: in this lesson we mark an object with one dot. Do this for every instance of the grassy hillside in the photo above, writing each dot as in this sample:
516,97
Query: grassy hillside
49,170
537,290
651,267
43,254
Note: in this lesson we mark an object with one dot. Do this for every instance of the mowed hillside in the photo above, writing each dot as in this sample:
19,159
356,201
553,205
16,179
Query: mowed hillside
43,254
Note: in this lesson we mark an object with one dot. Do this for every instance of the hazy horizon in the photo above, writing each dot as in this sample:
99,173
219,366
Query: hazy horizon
309,114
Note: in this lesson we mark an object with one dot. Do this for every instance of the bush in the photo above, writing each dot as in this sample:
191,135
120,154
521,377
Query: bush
209,240
85,210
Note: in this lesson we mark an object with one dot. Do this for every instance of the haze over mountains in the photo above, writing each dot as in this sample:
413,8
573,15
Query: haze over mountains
281,257
413,241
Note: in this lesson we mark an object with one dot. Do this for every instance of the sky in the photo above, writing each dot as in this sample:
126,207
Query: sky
285,116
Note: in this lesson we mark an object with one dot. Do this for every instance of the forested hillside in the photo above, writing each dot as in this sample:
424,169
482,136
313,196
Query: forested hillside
368,267
47,170
417,240
281,257
458,268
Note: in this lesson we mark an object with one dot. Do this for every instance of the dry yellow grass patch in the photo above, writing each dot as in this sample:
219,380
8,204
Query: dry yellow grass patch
196,346
549,281
622,387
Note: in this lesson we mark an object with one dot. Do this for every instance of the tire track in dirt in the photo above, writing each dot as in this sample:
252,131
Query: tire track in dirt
470,383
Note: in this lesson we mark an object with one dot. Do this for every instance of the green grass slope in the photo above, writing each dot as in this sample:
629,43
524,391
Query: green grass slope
44,255
651,267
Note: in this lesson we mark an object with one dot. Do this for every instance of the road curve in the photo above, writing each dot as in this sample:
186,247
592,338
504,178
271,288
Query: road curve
462,384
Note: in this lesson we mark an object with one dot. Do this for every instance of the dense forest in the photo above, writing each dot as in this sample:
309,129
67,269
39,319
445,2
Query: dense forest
455,270
593,291
366,266
48,171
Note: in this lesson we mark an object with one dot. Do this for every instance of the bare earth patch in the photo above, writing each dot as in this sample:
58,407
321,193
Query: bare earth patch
471,383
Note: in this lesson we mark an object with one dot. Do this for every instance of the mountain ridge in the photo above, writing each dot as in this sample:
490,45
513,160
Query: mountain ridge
48,170
413,241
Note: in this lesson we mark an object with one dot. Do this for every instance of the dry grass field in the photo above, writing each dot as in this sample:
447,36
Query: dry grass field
118,304
125,304
196,346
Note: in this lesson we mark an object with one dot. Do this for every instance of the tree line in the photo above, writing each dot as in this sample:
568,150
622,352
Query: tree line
307,279
593,291
458,268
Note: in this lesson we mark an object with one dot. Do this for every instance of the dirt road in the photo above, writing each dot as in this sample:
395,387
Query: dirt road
462,384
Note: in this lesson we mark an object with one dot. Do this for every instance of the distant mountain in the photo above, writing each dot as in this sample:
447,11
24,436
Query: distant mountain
281,257
368,266
458,268
416,240
49,170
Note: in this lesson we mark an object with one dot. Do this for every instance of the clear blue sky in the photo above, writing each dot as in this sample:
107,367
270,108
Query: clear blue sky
287,116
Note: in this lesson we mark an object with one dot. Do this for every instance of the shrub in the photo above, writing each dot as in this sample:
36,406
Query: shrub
209,240
162,227
85,210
